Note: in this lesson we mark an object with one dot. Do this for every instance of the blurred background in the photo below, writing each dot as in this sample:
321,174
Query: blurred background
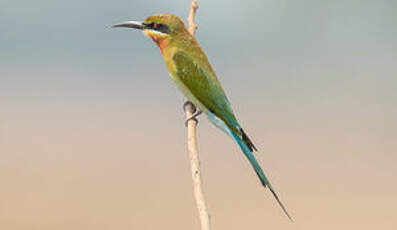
92,129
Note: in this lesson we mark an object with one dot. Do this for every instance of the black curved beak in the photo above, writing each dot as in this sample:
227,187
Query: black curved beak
131,24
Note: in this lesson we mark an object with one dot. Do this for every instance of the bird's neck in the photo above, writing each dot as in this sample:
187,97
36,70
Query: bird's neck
162,43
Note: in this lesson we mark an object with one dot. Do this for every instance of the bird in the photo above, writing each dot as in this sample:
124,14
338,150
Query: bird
191,71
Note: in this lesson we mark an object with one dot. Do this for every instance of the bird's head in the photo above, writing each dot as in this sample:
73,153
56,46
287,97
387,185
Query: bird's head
160,28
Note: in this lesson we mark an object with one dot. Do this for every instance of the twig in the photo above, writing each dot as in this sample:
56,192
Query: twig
192,143
192,26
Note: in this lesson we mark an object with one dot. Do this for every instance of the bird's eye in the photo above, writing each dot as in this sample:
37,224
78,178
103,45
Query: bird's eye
158,27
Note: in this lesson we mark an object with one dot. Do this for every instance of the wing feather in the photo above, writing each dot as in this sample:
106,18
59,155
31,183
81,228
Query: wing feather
205,87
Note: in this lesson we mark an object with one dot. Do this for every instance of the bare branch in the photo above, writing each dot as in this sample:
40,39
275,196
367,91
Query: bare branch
192,142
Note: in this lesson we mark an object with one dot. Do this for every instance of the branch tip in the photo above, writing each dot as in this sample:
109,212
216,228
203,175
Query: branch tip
190,20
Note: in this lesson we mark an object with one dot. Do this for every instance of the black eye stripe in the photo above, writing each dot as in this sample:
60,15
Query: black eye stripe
158,27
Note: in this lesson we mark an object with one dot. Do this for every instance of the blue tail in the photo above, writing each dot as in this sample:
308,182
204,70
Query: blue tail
258,170
247,150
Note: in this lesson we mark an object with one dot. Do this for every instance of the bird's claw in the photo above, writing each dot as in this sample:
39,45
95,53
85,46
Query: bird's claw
193,116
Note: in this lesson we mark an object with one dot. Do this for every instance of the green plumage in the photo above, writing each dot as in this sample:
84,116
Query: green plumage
205,88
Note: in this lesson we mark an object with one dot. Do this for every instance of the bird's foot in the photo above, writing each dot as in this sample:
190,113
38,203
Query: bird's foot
196,112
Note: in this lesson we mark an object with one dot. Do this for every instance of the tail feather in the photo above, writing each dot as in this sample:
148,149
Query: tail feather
258,170
247,141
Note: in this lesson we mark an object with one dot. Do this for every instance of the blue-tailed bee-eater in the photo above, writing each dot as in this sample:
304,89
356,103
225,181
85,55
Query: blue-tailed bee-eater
192,73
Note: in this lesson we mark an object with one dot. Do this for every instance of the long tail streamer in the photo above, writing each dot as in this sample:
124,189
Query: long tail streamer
258,170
